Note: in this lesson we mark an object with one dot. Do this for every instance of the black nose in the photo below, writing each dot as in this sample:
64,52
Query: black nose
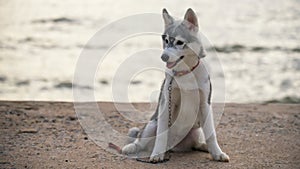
164,57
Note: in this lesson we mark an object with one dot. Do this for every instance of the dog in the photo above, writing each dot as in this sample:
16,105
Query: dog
183,119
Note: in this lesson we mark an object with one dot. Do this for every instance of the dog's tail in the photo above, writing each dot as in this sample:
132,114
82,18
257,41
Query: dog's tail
113,146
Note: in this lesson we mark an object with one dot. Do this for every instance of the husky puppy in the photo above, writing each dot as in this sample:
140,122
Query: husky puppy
183,119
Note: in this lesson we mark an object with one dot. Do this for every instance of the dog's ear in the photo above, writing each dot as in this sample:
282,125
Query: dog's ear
190,19
167,18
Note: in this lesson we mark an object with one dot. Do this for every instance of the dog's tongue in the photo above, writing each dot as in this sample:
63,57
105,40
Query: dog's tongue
171,64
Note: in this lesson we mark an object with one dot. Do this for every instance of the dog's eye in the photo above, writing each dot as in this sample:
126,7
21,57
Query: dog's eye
167,41
179,42
164,38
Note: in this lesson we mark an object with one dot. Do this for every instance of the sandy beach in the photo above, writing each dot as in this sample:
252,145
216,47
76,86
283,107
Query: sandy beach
49,135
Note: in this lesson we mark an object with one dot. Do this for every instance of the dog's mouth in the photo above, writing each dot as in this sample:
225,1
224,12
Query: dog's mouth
170,65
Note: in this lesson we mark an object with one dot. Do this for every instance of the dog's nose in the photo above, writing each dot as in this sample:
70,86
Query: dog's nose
164,57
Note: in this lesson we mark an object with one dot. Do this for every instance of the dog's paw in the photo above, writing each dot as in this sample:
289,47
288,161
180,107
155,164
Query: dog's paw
158,158
223,157
129,149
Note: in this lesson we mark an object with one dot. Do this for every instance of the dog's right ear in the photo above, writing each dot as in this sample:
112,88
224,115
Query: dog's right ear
190,19
167,18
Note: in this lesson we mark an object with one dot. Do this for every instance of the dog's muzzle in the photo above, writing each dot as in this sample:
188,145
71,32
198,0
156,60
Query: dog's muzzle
170,65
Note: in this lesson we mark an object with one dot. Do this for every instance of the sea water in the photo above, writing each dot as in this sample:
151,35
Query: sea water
257,44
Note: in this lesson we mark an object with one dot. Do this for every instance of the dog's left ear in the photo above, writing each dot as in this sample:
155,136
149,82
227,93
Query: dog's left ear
167,18
190,19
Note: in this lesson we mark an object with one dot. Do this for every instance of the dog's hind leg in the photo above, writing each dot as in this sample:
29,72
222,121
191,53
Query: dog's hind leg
194,140
132,135
199,140
145,137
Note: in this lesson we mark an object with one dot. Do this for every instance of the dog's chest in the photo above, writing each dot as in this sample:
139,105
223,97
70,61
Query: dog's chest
186,110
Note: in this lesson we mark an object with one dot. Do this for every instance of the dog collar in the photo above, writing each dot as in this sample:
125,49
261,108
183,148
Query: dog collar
184,72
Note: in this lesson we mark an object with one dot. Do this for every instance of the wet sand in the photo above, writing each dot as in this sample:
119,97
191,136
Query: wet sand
48,135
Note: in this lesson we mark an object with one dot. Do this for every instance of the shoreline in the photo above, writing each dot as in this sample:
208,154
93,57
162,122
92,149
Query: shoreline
46,134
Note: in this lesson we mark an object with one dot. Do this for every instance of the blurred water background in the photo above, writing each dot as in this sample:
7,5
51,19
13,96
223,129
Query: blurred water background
40,41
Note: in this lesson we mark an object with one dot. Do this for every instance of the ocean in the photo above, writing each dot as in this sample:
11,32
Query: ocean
257,56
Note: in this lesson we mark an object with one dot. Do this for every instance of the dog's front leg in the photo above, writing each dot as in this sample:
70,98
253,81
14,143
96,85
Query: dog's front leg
210,134
161,140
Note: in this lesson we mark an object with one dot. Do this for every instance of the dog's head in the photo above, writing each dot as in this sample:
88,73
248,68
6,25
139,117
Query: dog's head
181,42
